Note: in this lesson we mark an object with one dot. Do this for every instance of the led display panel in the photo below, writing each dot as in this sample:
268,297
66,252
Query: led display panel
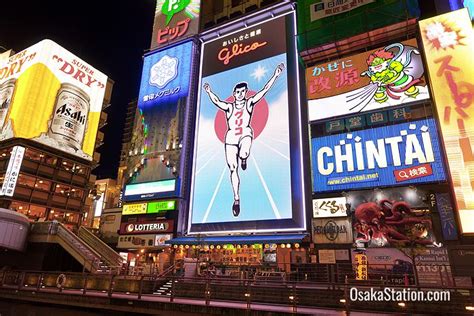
247,172
52,97
448,41
399,154
388,76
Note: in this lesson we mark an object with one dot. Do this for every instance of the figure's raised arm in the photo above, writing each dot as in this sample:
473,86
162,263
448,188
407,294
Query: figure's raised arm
259,95
224,106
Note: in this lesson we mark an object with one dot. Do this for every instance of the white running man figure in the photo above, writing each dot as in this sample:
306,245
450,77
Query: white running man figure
239,135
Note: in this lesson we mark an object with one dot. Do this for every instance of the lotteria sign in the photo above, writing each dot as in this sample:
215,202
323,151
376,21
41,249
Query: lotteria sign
398,154
165,226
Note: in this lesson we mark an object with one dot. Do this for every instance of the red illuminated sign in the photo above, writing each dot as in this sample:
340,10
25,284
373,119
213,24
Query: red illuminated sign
413,172
226,54
164,226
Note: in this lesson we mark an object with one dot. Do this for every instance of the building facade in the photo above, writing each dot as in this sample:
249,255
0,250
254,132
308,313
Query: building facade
47,159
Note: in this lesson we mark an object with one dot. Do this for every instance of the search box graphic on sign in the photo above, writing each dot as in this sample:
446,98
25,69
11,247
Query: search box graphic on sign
413,172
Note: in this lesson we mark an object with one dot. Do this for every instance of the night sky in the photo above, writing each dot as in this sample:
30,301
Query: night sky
110,35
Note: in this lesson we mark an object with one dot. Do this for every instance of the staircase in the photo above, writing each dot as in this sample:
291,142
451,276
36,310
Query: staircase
164,289
91,258
109,256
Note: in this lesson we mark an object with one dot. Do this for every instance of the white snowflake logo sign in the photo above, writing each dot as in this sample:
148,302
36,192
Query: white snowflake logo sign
165,70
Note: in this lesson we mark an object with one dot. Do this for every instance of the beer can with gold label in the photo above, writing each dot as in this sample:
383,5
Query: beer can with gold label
69,120
6,95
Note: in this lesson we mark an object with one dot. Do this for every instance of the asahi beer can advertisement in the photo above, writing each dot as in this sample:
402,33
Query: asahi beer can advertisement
247,127
51,96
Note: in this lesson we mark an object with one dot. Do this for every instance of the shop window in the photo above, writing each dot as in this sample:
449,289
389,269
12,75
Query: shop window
36,212
72,218
79,169
67,165
32,154
50,160
56,215
20,207
76,193
26,180
43,184
5,152
63,190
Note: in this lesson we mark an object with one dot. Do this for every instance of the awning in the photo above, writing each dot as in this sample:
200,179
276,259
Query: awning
240,240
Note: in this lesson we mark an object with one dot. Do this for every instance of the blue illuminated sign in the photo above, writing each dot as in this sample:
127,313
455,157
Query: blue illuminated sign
166,75
391,155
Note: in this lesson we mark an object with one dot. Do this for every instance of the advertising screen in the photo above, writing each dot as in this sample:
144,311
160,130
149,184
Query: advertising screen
151,190
399,154
387,76
448,41
49,95
158,138
247,162
174,20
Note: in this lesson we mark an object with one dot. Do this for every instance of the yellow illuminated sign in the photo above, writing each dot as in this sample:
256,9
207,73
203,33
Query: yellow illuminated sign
134,209
449,49
49,95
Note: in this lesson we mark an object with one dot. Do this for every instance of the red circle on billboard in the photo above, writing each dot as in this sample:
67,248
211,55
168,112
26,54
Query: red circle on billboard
258,122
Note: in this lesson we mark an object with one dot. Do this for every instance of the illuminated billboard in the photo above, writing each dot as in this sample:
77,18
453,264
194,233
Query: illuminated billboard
151,190
52,97
165,76
399,154
175,20
245,131
448,41
158,140
388,76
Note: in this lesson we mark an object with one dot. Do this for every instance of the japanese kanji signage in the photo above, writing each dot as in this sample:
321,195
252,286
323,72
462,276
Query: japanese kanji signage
329,207
166,76
446,216
325,8
13,170
388,76
175,20
448,41
405,153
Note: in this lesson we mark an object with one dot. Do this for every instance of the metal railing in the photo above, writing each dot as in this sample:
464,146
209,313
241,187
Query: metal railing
110,256
286,294
90,258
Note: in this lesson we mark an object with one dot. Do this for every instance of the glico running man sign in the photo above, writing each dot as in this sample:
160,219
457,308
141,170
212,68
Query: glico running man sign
397,154
247,160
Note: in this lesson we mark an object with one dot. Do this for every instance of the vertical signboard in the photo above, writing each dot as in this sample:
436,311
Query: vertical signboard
449,44
13,171
249,125
388,76
174,21
158,140
49,95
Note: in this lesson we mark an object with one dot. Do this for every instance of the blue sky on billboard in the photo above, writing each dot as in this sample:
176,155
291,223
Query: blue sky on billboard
399,154
166,75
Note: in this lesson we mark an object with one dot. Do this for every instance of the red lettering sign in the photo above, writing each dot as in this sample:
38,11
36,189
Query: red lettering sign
226,54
